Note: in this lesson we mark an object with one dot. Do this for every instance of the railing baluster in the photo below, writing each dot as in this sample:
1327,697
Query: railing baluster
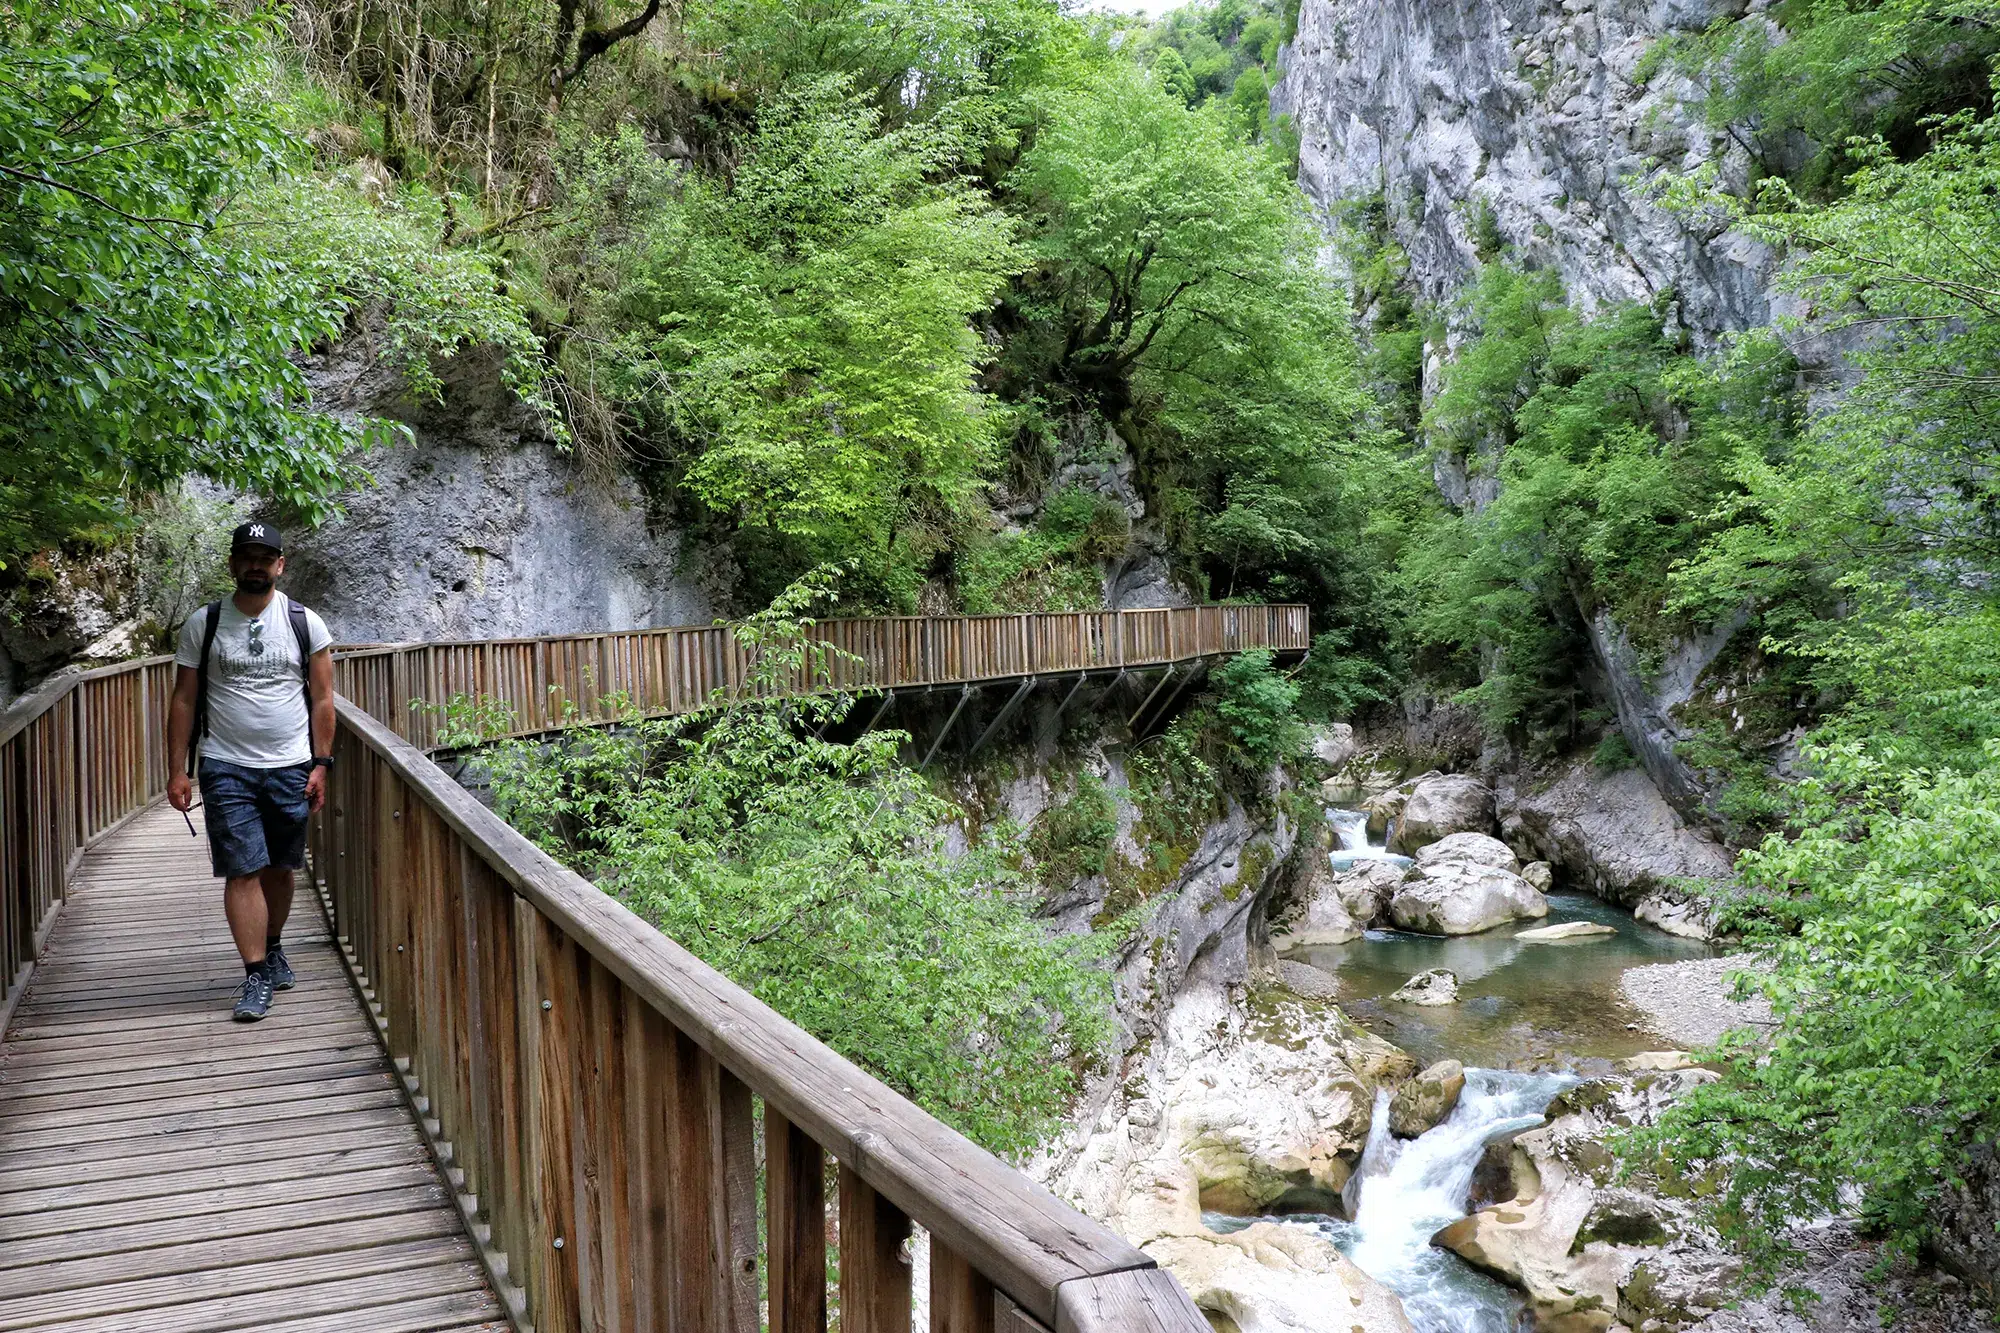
795,1226
961,1300
874,1272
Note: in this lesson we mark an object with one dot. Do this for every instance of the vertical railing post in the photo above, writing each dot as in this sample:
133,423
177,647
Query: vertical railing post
874,1277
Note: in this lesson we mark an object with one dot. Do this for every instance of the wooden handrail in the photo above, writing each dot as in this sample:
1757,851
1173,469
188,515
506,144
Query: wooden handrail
596,1084
78,756
551,681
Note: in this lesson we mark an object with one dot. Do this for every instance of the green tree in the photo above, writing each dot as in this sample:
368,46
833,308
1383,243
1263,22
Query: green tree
1899,477
133,347
1878,920
1178,282
799,338
1172,72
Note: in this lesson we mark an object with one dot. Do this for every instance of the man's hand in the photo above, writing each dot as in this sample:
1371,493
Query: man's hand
180,793
316,789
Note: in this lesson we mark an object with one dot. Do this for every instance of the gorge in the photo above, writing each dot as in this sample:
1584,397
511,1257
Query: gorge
1614,383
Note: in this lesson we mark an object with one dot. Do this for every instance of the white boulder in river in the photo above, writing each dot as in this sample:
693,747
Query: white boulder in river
1437,986
1236,1106
1463,884
1440,805
1568,930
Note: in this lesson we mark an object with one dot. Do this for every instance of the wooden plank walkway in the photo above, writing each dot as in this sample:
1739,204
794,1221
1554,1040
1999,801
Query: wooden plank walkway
164,1169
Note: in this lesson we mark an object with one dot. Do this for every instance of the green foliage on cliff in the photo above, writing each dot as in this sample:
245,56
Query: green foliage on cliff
817,875
1880,922
1830,70
162,264
1613,453
798,335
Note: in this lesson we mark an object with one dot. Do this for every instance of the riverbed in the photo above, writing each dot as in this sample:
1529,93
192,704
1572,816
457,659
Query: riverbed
1532,1018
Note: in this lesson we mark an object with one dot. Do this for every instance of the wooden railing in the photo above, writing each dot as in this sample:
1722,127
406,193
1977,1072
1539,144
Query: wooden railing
77,756
604,1100
548,682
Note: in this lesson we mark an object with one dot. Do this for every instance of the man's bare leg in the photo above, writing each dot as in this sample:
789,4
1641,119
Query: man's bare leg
277,882
244,903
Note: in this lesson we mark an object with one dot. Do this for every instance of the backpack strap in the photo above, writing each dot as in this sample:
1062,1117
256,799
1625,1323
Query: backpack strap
214,613
303,633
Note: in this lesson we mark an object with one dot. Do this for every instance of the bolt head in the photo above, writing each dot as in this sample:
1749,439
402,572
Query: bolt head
548,1004
559,1242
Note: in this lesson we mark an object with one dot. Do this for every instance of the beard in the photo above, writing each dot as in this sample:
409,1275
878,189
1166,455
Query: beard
253,583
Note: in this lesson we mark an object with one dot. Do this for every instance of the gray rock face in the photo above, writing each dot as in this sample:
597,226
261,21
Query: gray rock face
1439,806
1615,835
1646,701
1522,121
481,528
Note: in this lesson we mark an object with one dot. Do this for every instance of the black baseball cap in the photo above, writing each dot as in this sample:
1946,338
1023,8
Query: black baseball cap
256,534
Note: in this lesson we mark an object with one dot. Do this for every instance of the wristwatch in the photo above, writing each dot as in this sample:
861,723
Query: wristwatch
322,761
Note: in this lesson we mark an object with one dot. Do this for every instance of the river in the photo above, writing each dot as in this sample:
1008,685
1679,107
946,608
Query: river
1532,1019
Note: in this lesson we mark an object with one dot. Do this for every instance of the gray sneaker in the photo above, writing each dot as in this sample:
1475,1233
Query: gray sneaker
253,1001
280,968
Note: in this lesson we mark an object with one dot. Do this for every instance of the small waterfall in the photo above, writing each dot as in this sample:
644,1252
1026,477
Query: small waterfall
1404,1191
1350,829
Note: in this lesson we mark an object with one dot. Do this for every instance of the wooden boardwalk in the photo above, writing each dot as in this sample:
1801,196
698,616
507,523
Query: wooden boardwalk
164,1169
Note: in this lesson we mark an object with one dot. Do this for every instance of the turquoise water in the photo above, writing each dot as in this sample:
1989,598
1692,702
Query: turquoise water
1521,1005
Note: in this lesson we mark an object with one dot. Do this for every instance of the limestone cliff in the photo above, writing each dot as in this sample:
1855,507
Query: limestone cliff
1523,122
481,528
1525,126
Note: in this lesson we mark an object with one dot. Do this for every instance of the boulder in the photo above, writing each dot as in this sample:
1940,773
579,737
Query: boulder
1657,1061
1568,930
1315,912
1242,1108
1365,890
1591,1253
1440,805
1333,745
1615,835
1272,1278
1474,847
1673,911
1437,986
1539,876
1463,898
1424,1102
1385,807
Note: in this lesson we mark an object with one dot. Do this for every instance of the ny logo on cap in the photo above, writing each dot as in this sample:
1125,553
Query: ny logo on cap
256,529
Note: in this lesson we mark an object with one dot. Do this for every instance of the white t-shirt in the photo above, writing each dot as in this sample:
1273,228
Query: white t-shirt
256,685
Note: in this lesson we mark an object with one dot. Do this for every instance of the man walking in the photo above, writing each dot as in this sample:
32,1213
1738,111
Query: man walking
253,689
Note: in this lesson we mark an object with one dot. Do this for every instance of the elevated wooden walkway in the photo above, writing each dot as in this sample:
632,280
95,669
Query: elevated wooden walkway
497,1099
165,1169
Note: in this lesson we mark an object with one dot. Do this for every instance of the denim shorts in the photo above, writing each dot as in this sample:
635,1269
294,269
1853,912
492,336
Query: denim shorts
256,817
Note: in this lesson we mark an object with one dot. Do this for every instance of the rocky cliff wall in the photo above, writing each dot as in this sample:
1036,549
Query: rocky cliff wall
481,528
1525,122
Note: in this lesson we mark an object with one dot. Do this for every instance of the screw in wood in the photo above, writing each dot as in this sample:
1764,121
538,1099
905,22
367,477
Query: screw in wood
547,1004
559,1242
